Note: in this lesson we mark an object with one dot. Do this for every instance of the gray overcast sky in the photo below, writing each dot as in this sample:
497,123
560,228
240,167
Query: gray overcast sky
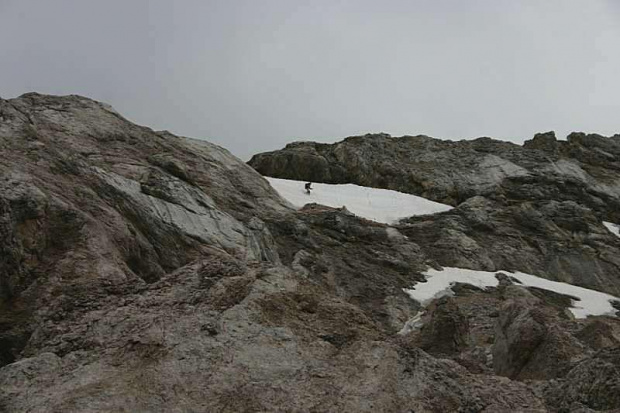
253,75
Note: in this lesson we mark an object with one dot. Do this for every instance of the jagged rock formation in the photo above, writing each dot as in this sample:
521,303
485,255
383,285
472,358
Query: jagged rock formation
141,271
535,208
583,169
562,241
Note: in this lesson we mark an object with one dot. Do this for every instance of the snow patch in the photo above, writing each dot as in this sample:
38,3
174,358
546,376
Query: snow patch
614,228
439,283
381,205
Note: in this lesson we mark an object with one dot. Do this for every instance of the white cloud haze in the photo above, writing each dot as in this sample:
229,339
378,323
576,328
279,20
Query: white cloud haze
253,75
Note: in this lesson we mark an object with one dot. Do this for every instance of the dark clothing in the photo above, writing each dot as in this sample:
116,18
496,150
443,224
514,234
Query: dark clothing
308,187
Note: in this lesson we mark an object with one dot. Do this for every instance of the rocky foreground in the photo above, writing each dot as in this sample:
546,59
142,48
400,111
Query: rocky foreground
145,272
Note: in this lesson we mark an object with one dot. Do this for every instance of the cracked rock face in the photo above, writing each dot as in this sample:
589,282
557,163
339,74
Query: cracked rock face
142,271
90,201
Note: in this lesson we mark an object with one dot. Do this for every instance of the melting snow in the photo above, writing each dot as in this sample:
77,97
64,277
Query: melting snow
439,283
381,205
614,228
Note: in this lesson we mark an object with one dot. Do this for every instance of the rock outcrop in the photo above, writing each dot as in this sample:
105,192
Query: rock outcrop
90,206
142,271
583,169
562,241
536,208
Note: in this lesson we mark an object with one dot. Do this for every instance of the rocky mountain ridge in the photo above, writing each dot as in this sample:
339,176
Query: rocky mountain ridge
536,208
141,271
584,168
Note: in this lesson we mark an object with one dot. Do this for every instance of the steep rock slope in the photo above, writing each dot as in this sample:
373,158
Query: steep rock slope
91,204
141,271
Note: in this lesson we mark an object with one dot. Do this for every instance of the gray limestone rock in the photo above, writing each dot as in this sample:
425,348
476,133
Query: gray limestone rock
142,271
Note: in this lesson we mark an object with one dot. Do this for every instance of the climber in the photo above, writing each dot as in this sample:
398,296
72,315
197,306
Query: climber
308,187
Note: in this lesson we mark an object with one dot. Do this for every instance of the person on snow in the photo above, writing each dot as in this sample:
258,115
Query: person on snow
308,187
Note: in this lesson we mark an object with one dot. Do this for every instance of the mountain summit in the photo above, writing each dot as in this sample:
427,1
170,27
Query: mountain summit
143,271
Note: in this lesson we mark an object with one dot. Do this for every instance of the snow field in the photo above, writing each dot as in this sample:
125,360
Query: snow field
381,205
439,283
386,206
